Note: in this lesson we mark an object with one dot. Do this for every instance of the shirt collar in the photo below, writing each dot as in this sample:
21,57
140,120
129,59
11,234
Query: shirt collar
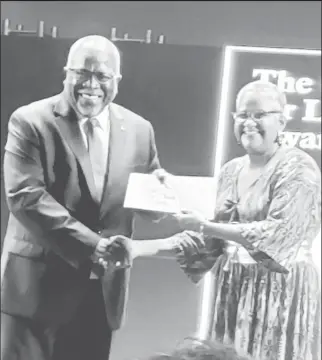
102,118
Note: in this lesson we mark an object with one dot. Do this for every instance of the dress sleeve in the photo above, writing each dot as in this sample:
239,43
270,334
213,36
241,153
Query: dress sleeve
196,263
294,215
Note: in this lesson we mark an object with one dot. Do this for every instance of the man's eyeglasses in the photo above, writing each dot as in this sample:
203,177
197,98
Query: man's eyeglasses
259,115
85,75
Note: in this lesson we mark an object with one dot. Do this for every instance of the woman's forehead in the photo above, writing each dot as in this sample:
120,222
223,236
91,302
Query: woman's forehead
259,100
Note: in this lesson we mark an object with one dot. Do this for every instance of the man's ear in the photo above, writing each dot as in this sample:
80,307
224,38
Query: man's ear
119,78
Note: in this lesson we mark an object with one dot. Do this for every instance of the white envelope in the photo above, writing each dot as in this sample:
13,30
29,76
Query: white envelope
145,192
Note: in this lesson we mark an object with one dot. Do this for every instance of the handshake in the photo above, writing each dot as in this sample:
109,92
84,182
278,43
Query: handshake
114,252
118,252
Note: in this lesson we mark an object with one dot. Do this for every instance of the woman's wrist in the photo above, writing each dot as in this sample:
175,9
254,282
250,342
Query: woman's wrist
208,228
136,249
202,226
153,247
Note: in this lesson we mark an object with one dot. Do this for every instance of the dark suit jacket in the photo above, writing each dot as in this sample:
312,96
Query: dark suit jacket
55,221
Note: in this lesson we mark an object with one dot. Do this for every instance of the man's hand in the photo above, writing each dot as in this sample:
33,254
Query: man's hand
161,175
122,251
115,251
155,216
101,248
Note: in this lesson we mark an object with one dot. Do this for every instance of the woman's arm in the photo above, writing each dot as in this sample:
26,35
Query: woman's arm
294,214
233,232
158,247
168,246
194,257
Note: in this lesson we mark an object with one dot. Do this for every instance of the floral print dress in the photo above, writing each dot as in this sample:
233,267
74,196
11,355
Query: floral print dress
271,315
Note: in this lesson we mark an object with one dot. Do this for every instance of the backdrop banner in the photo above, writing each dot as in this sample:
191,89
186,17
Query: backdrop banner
296,72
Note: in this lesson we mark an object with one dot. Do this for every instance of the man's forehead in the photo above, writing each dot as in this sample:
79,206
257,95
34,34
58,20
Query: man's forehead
94,51
89,57
93,54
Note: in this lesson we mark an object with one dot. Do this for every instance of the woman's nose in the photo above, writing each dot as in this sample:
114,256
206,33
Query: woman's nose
249,122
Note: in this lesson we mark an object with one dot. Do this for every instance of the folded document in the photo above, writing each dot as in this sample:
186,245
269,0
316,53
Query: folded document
146,192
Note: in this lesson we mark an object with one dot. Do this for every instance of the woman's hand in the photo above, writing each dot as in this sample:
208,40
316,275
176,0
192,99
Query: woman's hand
189,240
190,220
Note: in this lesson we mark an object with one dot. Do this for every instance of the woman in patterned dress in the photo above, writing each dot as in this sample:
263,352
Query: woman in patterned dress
268,212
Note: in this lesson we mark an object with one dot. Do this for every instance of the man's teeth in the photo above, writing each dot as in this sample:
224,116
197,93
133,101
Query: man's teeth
88,96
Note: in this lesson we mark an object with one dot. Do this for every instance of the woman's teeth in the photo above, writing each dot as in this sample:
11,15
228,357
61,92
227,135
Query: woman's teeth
250,131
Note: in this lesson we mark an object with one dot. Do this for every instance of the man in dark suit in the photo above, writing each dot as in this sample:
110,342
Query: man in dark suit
66,166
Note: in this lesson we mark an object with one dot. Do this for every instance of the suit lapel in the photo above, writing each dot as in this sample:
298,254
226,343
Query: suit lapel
70,131
115,164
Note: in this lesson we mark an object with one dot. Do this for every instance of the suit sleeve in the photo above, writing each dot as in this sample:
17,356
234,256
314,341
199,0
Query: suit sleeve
30,202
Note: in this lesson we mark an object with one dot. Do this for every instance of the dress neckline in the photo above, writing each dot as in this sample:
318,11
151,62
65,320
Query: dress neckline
264,171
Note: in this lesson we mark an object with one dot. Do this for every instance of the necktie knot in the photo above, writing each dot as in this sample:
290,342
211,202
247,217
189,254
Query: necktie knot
92,123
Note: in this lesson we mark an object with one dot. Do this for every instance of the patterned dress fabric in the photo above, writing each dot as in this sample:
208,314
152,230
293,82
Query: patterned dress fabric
267,312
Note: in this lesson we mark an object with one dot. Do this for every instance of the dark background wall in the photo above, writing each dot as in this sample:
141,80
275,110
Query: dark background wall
269,23
162,307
